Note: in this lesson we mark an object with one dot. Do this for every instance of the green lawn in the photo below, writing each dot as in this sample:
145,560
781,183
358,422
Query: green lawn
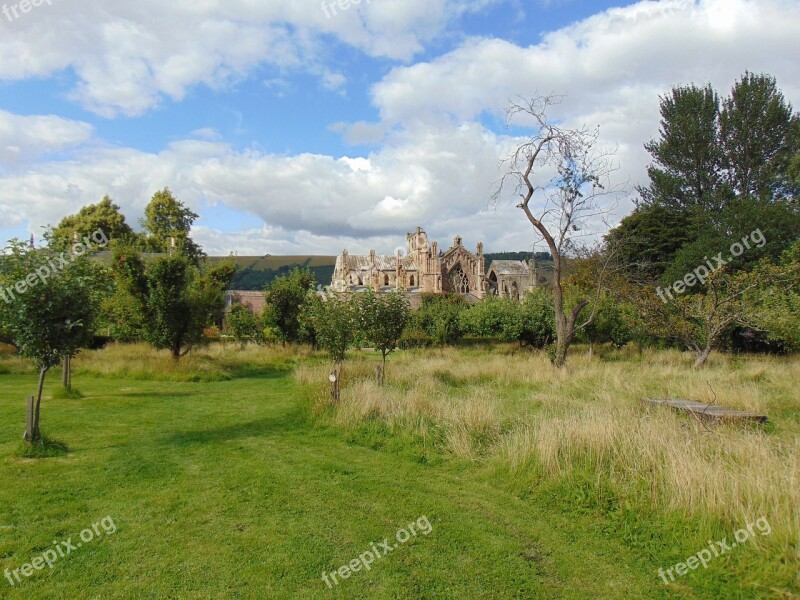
228,489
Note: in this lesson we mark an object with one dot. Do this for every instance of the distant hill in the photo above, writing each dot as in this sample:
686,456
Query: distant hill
254,272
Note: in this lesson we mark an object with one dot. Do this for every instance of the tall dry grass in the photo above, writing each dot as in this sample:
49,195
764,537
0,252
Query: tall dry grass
515,407
215,362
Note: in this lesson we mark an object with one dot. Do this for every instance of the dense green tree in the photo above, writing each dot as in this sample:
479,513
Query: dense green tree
774,306
285,298
382,318
538,329
166,219
173,299
49,309
768,228
699,321
648,240
494,318
104,216
439,317
610,324
793,173
756,137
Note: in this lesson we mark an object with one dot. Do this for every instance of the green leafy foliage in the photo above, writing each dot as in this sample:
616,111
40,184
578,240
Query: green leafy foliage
55,315
707,154
648,240
538,328
494,318
686,157
439,318
775,307
243,326
104,216
285,298
166,219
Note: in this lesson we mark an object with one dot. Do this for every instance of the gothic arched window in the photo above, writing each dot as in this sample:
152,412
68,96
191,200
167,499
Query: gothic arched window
459,282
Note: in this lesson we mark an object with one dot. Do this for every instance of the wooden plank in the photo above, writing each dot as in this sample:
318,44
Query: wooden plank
711,412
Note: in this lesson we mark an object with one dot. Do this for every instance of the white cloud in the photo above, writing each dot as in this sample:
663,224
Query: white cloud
436,163
24,137
130,56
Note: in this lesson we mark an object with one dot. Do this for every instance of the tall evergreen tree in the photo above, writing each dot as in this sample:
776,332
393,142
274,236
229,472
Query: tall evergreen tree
686,170
756,137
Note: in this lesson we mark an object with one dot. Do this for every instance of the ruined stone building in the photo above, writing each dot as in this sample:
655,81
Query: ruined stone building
423,268
511,278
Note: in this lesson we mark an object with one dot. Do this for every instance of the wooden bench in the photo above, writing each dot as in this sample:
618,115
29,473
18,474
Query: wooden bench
708,412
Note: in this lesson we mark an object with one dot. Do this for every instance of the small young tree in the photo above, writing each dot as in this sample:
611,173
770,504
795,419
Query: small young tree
243,326
697,321
382,319
48,310
173,299
334,322
285,298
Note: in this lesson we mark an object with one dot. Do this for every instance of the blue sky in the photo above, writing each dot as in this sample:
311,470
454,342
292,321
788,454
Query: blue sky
291,132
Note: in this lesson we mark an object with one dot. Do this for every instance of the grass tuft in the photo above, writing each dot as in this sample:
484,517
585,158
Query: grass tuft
46,447
71,393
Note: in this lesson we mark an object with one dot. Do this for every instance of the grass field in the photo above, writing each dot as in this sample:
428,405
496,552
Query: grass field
231,475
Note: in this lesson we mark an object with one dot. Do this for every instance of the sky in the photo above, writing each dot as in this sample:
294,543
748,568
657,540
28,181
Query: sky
307,127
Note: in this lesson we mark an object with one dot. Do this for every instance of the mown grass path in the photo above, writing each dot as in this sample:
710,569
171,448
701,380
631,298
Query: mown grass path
225,490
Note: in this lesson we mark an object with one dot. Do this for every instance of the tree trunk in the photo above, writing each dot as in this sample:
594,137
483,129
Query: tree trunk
66,376
334,378
560,358
176,354
33,433
702,357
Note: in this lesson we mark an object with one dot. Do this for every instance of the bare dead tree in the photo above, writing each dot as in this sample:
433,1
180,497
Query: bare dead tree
562,176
